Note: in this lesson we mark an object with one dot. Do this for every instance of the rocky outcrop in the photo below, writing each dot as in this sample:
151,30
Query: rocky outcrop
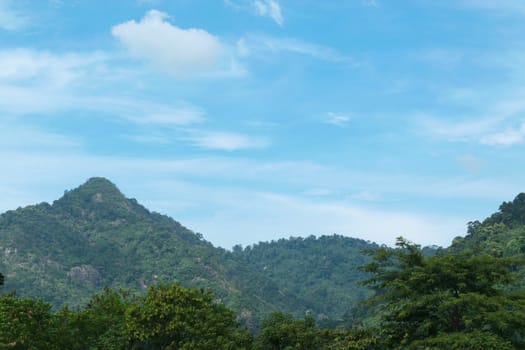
85,274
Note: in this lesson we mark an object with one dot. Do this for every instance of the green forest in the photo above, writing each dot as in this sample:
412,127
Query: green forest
96,270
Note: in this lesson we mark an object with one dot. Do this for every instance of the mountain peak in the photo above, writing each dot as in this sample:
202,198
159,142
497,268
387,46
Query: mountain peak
96,190
97,198
510,213
99,186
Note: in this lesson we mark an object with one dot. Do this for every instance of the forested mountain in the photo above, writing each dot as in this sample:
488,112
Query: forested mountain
501,234
94,237
468,296
314,269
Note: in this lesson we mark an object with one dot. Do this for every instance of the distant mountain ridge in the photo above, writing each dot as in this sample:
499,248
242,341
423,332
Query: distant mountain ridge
93,236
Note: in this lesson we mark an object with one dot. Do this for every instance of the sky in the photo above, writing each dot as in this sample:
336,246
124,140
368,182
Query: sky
254,120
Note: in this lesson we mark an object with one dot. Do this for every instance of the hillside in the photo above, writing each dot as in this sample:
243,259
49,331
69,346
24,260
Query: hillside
501,234
314,269
94,237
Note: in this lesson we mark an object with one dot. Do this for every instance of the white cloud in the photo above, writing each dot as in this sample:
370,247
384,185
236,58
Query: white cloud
269,8
226,215
464,130
492,131
215,195
170,48
508,137
337,119
15,136
173,116
73,81
11,19
253,45
55,70
226,141
264,216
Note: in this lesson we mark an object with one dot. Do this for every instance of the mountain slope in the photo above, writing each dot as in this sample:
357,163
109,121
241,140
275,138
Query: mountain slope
94,237
501,234
315,269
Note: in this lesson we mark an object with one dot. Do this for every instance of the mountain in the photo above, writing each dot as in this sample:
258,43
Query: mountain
314,269
94,237
501,234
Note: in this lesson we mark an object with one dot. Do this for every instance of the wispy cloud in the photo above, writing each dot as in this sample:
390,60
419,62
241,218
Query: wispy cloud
77,82
51,81
269,8
461,130
261,45
507,137
170,116
501,124
18,136
286,215
236,213
233,214
337,119
55,70
226,141
487,131
175,50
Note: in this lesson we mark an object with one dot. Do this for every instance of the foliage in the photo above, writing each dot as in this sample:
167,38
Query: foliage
321,272
172,317
356,339
25,324
100,324
428,299
94,236
167,317
475,340
280,331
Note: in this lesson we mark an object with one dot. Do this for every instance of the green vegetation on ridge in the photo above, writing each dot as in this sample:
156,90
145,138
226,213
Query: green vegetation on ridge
468,296
94,237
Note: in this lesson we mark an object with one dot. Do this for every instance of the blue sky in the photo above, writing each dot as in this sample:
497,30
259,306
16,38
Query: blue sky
252,120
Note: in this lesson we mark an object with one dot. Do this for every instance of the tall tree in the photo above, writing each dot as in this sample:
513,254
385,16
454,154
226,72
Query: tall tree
280,331
26,324
173,317
446,300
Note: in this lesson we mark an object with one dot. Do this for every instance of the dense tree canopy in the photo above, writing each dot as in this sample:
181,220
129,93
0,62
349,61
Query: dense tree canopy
26,324
66,251
172,317
446,299
280,331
